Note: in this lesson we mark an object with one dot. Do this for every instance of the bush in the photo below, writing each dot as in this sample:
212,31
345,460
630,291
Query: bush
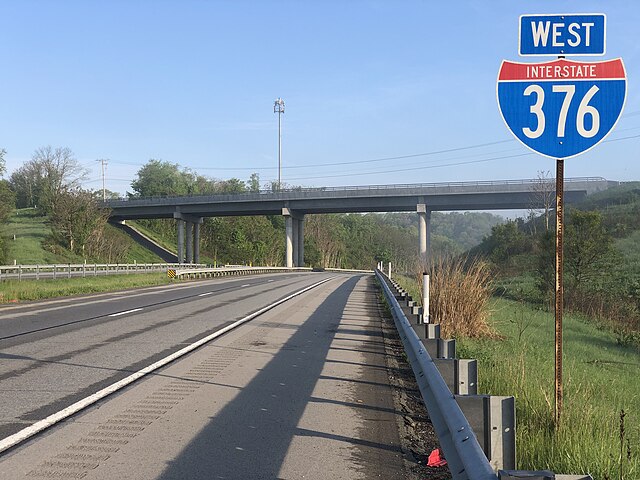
459,294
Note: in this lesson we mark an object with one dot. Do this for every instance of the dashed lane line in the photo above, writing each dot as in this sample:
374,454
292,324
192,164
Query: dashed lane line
125,312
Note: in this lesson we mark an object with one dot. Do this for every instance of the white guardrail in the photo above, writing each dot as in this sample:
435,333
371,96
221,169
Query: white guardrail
69,270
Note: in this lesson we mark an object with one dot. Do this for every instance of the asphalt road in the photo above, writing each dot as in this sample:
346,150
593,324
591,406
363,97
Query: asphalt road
57,352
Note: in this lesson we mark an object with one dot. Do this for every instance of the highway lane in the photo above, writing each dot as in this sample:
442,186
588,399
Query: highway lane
56,352
302,391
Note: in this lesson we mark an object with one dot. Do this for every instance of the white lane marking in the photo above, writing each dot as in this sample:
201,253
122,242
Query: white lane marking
40,425
247,285
205,294
125,312
269,281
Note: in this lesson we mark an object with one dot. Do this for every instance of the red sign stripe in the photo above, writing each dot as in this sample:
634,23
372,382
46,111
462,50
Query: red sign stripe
562,69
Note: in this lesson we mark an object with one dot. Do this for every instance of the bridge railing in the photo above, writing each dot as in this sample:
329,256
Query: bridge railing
288,193
69,270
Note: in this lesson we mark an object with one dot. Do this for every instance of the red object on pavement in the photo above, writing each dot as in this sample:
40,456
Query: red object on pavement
436,459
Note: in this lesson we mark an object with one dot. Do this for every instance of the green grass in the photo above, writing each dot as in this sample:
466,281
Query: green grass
600,380
629,247
14,291
169,244
30,229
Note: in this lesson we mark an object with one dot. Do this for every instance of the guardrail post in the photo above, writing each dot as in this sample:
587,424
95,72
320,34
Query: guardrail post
20,273
460,375
440,348
54,272
493,420
432,330
95,269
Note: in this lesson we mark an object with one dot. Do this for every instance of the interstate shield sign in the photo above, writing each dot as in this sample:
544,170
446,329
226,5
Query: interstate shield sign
561,108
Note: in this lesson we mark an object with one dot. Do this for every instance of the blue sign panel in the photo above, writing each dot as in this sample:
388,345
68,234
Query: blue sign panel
561,108
576,34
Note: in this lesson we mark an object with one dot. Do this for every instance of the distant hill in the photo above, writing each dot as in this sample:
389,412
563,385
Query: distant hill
463,229
620,207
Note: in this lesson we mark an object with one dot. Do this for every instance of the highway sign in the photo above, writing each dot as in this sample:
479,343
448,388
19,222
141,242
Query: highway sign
561,108
576,34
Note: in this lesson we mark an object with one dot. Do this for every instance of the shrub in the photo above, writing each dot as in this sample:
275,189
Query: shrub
459,294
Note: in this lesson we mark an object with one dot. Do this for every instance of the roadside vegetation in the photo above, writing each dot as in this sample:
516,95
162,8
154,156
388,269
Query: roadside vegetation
599,431
600,385
12,291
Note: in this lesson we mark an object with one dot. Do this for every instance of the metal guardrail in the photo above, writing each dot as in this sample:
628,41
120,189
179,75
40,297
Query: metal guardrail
225,271
464,455
244,270
463,452
69,270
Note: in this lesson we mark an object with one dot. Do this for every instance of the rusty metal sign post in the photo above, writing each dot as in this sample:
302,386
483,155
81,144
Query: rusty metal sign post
559,286
560,109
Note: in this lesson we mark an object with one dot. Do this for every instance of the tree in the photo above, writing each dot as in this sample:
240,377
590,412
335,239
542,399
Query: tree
75,218
588,247
543,192
48,174
3,165
505,241
254,183
159,178
545,247
7,200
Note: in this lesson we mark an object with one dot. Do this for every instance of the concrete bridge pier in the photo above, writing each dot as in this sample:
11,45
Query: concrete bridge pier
196,243
189,242
180,240
300,262
294,243
193,237
424,231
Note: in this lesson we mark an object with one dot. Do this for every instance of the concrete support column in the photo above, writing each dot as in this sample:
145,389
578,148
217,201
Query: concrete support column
289,241
189,242
180,241
196,243
428,231
301,241
296,226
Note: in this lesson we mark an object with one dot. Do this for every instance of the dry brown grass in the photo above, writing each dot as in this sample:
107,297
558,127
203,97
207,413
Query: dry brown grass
459,296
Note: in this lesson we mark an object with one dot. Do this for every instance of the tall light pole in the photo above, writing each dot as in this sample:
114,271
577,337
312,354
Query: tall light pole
278,107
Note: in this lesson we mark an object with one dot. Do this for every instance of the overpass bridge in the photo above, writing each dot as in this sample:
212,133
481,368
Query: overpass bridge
294,204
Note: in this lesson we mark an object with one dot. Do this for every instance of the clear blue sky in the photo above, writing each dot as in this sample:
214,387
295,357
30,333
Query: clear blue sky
193,83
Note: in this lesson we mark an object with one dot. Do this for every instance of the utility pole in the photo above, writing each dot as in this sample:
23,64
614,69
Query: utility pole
278,107
103,162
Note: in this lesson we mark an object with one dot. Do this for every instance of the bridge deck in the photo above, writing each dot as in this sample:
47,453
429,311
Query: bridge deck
497,195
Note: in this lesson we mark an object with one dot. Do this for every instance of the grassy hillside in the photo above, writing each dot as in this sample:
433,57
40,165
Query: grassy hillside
598,386
31,231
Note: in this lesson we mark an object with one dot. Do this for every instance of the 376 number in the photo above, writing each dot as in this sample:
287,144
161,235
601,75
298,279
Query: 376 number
584,109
